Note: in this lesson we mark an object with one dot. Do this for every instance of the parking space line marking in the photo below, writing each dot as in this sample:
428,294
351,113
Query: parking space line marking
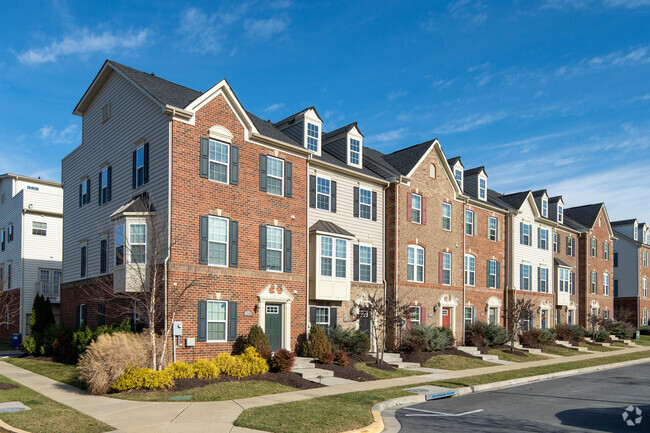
434,413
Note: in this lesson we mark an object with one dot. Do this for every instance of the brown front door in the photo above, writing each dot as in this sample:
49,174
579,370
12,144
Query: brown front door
445,317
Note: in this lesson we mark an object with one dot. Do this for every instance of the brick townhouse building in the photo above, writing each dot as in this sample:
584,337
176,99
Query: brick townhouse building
631,270
220,191
596,262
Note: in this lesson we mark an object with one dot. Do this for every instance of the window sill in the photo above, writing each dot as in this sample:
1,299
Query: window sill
275,272
415,281
216,341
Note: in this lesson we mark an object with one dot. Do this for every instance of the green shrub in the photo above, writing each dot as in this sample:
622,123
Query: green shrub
481,334
180,370
600,336
620,329
644,330
29,345
257,339
536,336
317,343
352,341
143,378
427,338
56,341
282,361
42,315
569,332
204,369
255,363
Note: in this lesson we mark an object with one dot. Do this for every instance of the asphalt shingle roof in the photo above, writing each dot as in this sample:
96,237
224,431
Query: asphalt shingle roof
269,130
623,222
473,171
454,160
585,215
405,159
338,131
515,200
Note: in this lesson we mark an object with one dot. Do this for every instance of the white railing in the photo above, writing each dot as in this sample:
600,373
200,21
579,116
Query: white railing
50,291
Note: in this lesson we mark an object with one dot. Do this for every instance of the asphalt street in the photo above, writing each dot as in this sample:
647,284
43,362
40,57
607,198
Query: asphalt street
594,402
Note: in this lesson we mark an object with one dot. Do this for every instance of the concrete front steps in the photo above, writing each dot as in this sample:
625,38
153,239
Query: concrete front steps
530,350
395,359
473,351
306,368
589,340
615,338
570,346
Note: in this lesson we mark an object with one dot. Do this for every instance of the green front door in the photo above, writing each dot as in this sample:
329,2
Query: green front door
273,325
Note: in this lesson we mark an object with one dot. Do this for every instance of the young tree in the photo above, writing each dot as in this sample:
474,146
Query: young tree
9,306
519,310
142,264
594,322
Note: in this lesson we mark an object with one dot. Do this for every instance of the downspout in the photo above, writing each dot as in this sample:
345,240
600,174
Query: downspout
169,227
464,286
309,158
22,325
383,246
397,246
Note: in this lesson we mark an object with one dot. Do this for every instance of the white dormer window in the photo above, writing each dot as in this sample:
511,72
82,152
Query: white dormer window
482,188
560,217
313,137
544,207
636,232
458,174
354,153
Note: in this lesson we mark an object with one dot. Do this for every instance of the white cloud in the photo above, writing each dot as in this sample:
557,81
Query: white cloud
200,31
84,42
441,84
274,107
395,94
467,10
469,123
383,137
629,4
51,135
265,29
566,4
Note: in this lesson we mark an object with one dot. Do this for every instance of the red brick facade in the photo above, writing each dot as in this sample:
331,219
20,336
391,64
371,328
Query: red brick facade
570,257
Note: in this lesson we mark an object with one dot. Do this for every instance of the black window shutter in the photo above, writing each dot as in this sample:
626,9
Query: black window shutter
109,184
84,316
333,193
263,248
234,244
356,201
287,250
263,173
134,172
232,321
204,161
374,206
288,179
80,196
88,189
374,265
234,165
102,256
99,189
203,242
312,191
573,283
312,315
332,317
78,316
355,263
202,326
146,162
101,314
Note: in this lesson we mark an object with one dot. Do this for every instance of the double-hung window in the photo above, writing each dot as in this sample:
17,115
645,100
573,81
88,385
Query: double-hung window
446,216
139,166
416,263
543,239
491,274
365,263
416,208
470,270
645,287
323,316
365,203
593,248
323,191
556,247
119,245
416,315
469,315
645,259
355,152
217,241
218,155
10,233
492,228
83,260
138,243
217,320
569,246
543,280
636,232
606,284
312,137
84,192
482,189
593,283
606,250
544,208
560,213
644,320
39,228
341,264
446,269
333,257
458,174
564,280
469,223
104,185
525,277
525,234
274,248
326,256
275,176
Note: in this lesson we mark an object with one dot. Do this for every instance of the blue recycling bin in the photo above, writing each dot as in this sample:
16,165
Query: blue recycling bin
16,339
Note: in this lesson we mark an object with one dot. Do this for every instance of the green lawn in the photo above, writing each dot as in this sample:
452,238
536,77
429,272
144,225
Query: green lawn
215,392
46,415
60,372
385,374
455,362
619,344
597,348
324,414
562,351
506,355
644,341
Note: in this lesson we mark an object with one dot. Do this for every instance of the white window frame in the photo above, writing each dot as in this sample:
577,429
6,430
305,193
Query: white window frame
327,195
334,257
458,175
528,241
543,282
471,318
645,259
569,241
560,213
605,284
482,188
321,323
469,224
269,175
543,239
354,153
446,218
491,229
414,263
226,243
139,165
564,280
310,136
415,310
592,283
636,232
555,245
39,231
470,270
644,318
492,273
645,288
211,161
528,278
275,249
496,316
132,244
208,321
103,185
593,247
362,204
606,250
416,208
368,264
117,245
446,269
544,208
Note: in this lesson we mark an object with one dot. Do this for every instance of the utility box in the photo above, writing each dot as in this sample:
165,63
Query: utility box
16,339
638,335
177,329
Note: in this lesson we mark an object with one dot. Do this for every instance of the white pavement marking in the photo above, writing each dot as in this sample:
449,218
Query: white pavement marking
433,413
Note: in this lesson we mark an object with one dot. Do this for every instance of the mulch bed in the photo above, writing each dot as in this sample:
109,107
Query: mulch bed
349,371
290,379
423,357
5,386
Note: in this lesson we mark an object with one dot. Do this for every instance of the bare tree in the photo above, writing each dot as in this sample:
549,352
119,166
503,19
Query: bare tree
626,315
594,323
139,278
519,310
9,306
382,318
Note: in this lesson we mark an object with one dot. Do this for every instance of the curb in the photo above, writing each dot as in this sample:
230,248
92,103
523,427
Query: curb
377,425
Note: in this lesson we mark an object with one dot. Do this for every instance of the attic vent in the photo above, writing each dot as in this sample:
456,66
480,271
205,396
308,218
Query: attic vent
106,111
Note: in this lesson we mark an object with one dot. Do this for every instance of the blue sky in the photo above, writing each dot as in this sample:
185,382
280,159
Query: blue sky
548,94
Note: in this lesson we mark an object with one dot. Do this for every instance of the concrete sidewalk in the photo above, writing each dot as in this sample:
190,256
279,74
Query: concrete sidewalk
171,417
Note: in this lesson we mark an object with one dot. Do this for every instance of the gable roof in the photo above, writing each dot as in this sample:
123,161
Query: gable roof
290,119
473,171
268,129
375,161
623,222
341,130
454,160
329,227
515,199
405,159
539,193
585,215
555,199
